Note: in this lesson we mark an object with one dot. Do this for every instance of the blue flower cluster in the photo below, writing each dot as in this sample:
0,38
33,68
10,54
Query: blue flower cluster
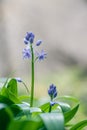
29,40
52,91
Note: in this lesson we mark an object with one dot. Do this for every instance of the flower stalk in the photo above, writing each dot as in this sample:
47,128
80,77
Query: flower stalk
32,77
50,107
29,53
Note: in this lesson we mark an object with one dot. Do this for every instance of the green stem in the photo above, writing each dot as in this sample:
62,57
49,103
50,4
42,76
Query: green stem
32,77
50,107
25,87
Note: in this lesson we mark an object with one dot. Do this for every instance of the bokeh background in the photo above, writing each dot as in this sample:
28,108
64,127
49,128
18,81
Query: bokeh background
62,25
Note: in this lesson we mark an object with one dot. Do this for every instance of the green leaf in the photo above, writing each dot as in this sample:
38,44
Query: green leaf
68,99
64,106
70,114
80,125
15,110
5,100
45,107
25,125
43,128
8,94
23,97
13,97
12,86
5,117
24,106
22,110
53,121
10,91
34,109
26,110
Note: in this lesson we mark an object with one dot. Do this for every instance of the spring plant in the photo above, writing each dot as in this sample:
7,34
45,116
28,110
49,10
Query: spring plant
18,114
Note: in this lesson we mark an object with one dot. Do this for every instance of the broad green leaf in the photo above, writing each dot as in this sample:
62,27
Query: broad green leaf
24,106
5,117
68,98
45,107
70,114
15,110
43,128
64,106
25,125
10,91
23,97
8,94
53,121
5,100
57,110
4,91
24,110
80,125
13,97
12,86
35,109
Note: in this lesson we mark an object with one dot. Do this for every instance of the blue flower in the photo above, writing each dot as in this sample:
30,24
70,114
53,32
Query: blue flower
52,91
41,55
26,53
38,42
18,79
29,38
52,103
26,41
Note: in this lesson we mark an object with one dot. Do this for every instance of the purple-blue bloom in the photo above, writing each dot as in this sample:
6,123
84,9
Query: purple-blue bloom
18,79
41,55
38,42
52,91
52,103
26,41
29,38
26,53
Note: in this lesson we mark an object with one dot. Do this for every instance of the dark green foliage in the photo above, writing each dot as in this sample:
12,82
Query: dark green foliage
5,100
24,125
6,116
18,115
80,125
70,114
